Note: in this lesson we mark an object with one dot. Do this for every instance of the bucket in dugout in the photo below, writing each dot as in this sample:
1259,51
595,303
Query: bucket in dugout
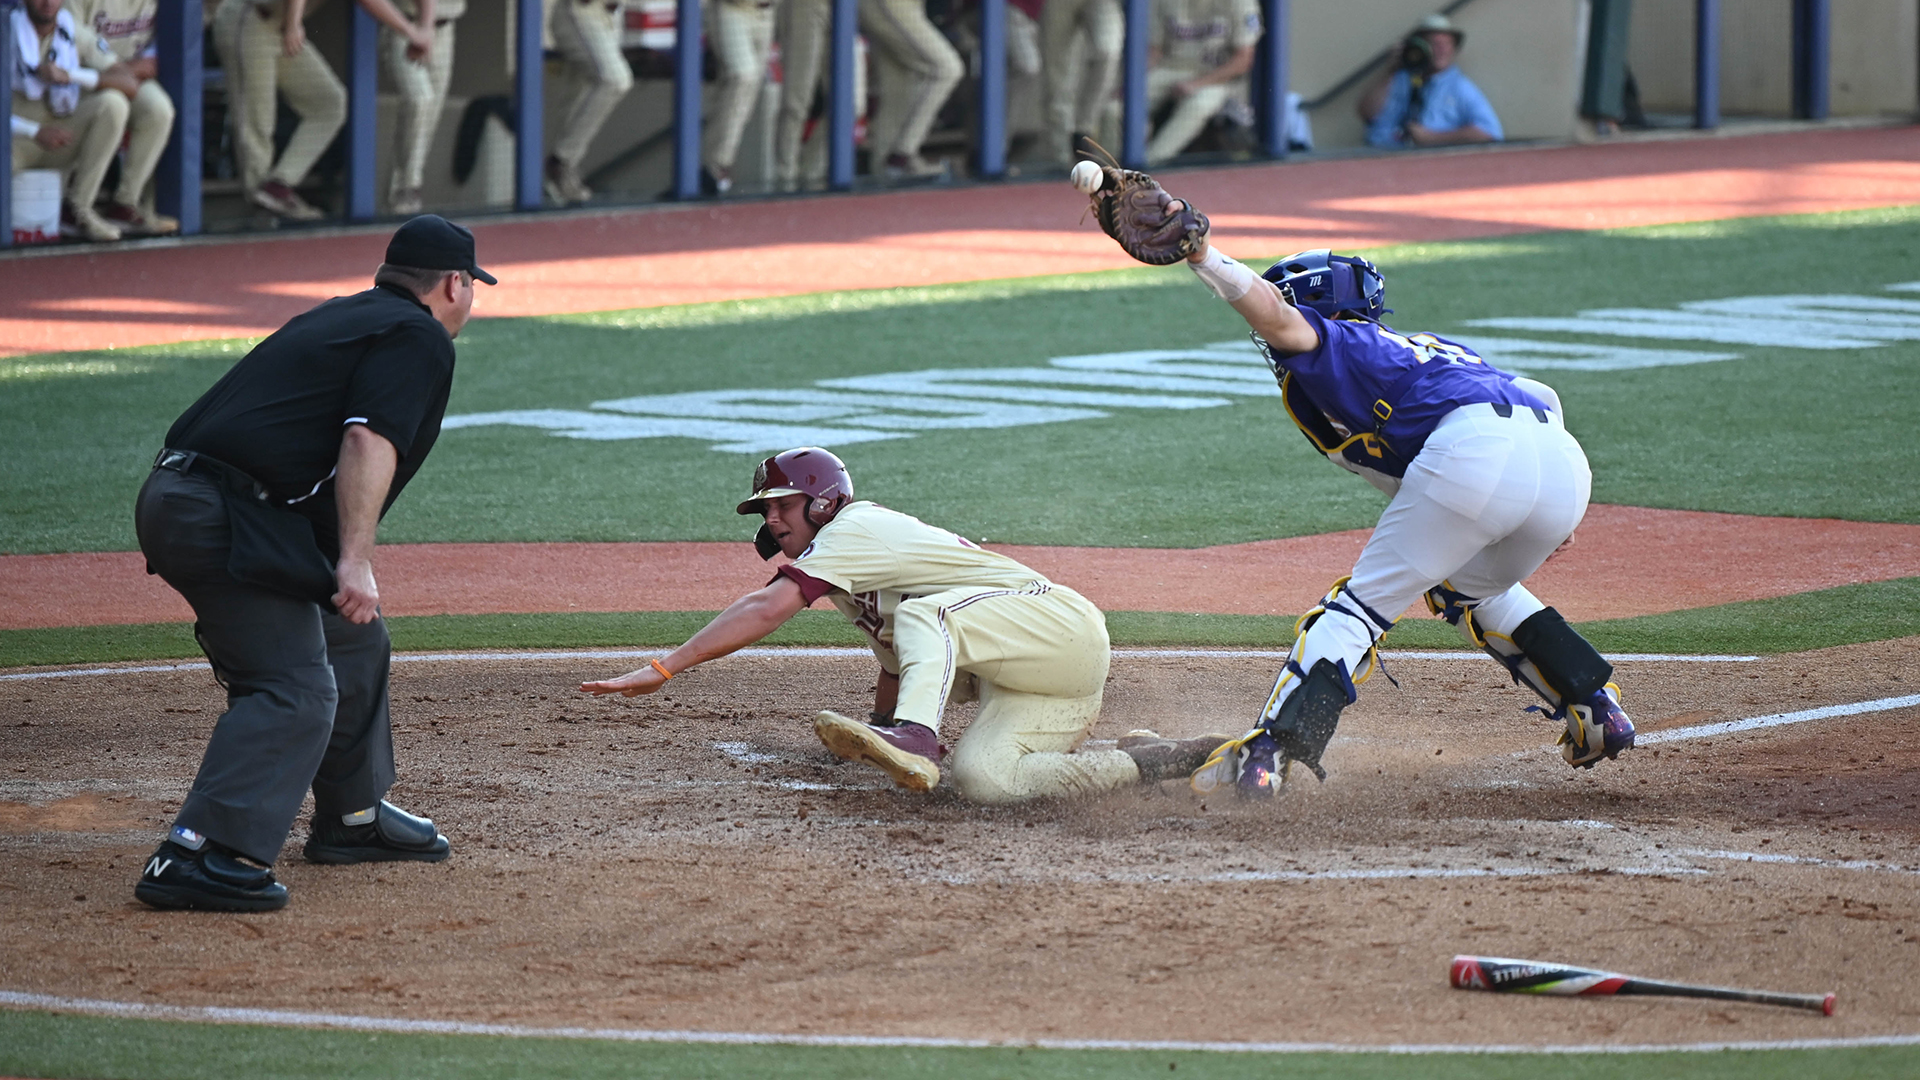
36,206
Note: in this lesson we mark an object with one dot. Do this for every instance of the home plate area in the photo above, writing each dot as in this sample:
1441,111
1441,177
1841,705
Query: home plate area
696,861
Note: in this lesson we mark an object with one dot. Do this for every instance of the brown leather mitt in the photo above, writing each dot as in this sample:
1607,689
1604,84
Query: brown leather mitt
1147,222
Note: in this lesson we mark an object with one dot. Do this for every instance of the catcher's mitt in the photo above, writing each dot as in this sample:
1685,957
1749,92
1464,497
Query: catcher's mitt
1147,222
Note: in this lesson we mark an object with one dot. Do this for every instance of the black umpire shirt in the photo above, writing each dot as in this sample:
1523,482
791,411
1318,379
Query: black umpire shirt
377,358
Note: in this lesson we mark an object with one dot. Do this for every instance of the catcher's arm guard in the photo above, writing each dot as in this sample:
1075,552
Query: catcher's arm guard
1144,219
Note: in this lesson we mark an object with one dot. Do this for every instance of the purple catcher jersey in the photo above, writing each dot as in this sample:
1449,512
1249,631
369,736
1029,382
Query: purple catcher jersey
1372,395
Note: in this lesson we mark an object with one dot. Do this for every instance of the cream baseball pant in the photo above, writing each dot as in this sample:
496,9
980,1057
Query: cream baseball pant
423,97
1077,92
804,28
586,35
1483,504
1188,118
250,42
96,123
741,32
1039,655
149,123
917,70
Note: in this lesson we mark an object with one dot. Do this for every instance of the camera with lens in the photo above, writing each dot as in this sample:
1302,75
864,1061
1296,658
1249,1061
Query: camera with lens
1416,55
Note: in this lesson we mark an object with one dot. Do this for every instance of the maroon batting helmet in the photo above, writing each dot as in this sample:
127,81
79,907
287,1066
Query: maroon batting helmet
807,470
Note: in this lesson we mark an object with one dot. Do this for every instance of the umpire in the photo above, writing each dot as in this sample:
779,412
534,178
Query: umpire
261,511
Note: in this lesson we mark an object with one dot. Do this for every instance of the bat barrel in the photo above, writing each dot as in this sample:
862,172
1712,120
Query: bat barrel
1502,975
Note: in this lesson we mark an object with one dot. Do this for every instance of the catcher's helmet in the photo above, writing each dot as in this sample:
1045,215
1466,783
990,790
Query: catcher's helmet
806,470
1331,284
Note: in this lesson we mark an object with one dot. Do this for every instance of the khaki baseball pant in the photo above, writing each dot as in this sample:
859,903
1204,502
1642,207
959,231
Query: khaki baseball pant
804,28
741,32
1076,93
917,70
1188,118
1039,655
586,35
249,39
149,123
423,97
96,123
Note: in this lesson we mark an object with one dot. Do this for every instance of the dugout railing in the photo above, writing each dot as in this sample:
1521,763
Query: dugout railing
182,65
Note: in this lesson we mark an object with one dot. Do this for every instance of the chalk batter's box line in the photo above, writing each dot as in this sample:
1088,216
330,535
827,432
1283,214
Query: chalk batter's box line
1698,731
811,651
286,1018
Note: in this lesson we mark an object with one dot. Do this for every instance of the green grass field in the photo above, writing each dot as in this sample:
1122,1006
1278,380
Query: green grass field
1785,429
1790,431
58,1045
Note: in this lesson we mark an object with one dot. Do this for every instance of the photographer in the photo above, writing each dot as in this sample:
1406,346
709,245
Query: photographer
1424,100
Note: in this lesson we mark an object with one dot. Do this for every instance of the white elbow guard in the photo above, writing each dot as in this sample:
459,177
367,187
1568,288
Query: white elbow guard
1229,280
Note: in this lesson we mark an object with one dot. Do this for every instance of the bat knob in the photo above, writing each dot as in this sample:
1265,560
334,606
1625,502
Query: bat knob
1826,1007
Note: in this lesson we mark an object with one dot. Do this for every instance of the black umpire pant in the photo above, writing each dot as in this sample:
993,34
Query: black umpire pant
306,689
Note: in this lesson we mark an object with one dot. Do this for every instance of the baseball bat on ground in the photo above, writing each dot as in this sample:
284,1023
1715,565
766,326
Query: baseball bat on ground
1506,976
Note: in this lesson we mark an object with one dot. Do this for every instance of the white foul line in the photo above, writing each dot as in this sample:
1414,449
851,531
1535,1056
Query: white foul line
1705,731
282,1018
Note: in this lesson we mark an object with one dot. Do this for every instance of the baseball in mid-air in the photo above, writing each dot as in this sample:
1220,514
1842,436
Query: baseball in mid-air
1087,177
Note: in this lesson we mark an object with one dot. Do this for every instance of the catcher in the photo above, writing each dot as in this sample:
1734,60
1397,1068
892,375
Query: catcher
943,617
1484,479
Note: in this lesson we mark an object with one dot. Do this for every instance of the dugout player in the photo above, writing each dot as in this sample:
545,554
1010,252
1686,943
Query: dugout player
1485,483
126,27
942,616
261,511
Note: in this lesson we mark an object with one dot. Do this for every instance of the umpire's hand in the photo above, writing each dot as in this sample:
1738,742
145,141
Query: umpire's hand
359,597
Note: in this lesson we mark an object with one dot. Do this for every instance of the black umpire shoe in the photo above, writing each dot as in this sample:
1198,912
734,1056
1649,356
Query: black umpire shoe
211,879
384,834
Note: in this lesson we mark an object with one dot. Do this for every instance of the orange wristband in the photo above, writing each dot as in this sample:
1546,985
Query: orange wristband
661,668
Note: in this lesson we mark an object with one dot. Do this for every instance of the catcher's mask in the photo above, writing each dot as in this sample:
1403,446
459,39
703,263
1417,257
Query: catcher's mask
1331,284
807,470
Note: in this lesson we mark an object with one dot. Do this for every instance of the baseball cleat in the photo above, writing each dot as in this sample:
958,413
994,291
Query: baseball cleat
384,833
211,879
1253,765
906,752
1161,758
1597,729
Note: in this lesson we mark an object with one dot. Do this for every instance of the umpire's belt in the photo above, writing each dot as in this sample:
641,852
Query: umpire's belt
230,478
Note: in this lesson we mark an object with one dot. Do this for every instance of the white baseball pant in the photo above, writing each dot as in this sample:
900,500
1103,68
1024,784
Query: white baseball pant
1482,506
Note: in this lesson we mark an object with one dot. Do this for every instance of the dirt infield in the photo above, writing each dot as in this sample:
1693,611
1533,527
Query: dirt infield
732,250
1625,561
696,861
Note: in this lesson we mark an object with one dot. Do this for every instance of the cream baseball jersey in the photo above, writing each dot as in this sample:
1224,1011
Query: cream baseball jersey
124,26
869,558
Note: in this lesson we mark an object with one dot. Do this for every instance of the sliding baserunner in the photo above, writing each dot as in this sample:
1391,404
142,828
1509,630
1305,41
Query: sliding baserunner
946,619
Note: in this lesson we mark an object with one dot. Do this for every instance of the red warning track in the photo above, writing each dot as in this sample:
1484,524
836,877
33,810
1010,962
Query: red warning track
717,251
1625,561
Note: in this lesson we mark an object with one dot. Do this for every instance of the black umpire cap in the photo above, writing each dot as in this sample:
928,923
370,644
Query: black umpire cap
431,242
